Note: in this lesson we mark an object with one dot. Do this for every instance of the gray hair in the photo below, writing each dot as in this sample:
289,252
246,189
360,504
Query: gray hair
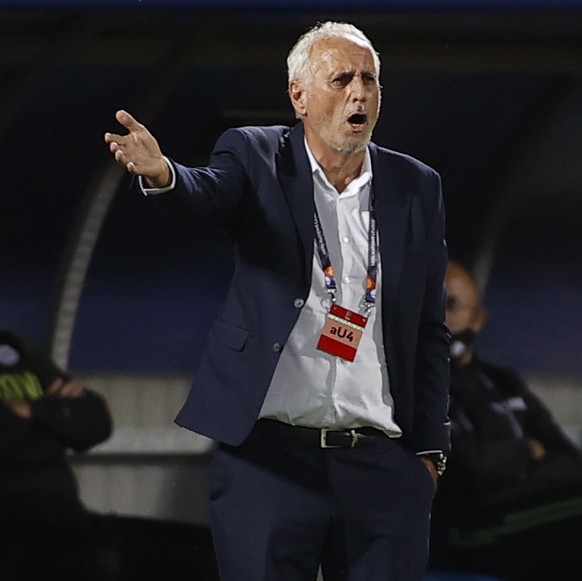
299,63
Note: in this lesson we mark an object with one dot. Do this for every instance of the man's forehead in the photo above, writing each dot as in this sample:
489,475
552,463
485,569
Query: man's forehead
340,51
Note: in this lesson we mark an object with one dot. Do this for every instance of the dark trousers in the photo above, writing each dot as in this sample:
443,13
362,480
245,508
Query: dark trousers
280,509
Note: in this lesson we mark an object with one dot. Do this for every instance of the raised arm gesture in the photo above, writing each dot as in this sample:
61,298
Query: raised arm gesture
138,152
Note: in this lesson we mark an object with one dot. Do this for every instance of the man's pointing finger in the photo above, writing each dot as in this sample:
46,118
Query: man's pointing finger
129,122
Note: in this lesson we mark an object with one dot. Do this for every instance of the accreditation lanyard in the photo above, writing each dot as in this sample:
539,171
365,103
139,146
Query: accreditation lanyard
344,328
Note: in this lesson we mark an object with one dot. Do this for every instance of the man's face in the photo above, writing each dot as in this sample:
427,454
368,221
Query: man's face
340,99
464,310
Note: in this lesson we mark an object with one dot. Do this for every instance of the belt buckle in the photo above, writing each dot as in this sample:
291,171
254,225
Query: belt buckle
323,438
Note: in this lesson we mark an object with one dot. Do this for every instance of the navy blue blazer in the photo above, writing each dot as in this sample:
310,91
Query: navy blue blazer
259,186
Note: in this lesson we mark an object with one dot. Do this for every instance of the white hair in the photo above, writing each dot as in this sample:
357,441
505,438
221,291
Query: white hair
299,63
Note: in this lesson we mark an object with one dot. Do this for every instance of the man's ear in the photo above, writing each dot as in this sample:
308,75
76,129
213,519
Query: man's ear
298,97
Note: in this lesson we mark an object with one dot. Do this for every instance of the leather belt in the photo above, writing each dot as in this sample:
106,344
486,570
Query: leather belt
320,437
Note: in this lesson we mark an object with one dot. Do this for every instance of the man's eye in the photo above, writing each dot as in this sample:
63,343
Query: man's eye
341,81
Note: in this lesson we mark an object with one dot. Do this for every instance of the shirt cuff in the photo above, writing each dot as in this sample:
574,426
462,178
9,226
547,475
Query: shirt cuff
157,191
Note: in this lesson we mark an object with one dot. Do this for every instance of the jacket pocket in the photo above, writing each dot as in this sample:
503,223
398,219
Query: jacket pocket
230,335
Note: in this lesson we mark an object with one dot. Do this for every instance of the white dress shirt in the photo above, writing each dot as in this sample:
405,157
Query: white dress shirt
313,388
310,387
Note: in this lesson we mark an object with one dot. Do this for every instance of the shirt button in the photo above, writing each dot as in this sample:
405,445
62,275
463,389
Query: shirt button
345,239
277,347
347,279
298,303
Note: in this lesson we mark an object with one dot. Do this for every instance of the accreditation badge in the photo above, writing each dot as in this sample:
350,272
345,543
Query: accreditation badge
342,333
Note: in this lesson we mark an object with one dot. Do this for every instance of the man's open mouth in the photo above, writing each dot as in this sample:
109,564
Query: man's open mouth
358,119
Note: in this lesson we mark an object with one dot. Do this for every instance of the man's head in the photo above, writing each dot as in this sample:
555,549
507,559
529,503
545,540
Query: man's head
333,73
465,315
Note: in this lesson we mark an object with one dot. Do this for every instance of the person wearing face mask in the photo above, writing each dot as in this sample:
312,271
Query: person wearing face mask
513,478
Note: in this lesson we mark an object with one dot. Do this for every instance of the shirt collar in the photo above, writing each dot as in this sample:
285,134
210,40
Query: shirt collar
357,184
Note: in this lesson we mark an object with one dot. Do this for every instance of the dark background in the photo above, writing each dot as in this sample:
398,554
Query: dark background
491,98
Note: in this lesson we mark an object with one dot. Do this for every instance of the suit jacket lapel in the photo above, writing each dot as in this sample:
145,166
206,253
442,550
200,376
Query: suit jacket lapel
296,181
392,205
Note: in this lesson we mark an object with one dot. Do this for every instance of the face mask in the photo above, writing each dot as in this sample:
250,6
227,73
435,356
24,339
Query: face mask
11,349
461,342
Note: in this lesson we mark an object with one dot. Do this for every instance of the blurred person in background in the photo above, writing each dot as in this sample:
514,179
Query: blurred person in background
513,481
46,532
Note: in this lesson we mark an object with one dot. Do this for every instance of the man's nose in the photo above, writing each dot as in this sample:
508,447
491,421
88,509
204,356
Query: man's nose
358,88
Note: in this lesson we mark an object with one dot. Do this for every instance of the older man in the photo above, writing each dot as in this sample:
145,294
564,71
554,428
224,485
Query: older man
325,378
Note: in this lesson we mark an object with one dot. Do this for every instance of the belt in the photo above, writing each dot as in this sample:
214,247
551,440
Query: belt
320,437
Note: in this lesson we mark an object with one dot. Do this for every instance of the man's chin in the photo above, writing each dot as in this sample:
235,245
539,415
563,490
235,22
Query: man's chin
351,146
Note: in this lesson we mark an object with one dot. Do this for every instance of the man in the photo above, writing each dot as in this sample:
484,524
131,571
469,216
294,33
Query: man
326,373
46,531
513,480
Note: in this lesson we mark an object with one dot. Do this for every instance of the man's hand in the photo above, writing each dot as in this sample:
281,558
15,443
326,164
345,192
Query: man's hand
60,387
139,152
63,388
536,449
19,407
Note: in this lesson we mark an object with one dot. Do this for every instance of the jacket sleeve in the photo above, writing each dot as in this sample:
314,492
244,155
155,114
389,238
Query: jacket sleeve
211,194
540,424
488,452
14,431
79,423
432,371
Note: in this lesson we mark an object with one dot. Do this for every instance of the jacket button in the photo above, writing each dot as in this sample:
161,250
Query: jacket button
277,347
298,303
